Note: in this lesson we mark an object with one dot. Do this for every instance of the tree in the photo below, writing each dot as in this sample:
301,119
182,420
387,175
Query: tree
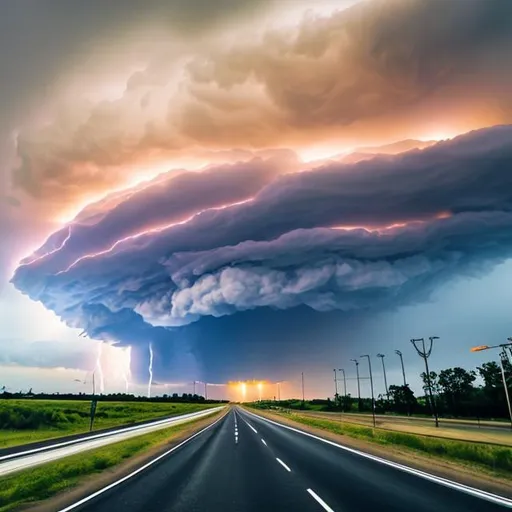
403,398
457,386
491,375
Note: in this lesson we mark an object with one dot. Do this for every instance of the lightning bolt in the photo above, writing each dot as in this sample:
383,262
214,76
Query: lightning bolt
127,370
99,367
150,369
151,231
28,261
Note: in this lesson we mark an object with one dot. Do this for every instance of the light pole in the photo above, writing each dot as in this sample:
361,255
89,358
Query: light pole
344,387
503,359
382,356
425,354
303,400
335,388
399,354
358,385
371,385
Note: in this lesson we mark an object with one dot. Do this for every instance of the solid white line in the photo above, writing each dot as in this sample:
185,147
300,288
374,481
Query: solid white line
263,441
137,471
320,500
253,429
104,434
250,426
283,464
494,498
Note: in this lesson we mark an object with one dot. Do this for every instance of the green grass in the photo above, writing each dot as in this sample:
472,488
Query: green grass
49,479
494,458
26,421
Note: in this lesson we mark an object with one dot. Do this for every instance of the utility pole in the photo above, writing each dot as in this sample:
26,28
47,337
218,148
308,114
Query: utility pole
371,386
503,360
205,391
358,385
385,378
425,354
335,388
344,381
303,399
399,354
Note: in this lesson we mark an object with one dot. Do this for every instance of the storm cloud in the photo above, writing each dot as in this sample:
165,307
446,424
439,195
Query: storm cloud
395,66
360,237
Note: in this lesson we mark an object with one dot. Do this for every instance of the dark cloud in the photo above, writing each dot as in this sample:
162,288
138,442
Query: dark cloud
430,215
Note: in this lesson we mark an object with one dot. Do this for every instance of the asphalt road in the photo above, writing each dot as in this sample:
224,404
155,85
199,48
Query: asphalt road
18,461
246,463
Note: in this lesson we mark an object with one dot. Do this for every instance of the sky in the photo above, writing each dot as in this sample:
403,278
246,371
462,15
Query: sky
250,190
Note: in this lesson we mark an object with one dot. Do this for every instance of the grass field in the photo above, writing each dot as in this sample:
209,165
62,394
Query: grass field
449,431
49,479
494,459
26,421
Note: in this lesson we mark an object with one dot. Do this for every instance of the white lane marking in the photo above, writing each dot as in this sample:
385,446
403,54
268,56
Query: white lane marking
250,426
283,464
139,470
494,498
320,500
264,442
104,434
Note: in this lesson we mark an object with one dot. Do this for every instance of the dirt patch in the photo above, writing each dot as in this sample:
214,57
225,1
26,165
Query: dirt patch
445,469
93,483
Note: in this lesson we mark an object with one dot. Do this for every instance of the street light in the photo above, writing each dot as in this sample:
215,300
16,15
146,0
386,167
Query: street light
399,354
358,385
371,385
503,358
382,356
335,387
303,398
424,353
344,381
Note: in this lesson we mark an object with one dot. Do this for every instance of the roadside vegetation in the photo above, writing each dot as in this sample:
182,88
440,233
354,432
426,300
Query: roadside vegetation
455,396
491,458
47,480
25,421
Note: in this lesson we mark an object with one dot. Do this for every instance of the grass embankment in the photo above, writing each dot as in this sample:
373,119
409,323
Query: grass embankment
495,459
27,421
45,481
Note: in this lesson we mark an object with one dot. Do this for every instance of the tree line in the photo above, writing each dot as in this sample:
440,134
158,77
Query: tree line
111,397
454,391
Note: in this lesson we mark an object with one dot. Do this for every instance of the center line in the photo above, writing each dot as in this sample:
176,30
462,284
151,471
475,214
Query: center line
263,441
320,500
284,465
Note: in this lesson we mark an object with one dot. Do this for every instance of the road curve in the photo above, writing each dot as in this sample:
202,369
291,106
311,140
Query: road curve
18,461
244,462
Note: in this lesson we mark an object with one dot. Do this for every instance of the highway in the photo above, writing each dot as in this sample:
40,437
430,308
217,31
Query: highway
31,457
243,462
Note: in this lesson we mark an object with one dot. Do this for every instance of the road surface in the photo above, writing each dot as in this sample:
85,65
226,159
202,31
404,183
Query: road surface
245,463
18,461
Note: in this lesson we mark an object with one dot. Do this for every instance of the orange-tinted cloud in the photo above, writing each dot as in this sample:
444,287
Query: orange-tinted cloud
377,72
